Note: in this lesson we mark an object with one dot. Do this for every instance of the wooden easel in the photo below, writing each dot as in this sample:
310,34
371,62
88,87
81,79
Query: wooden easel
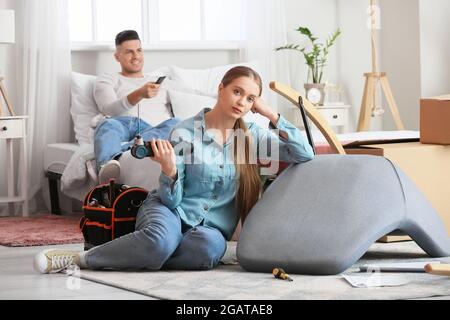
369,97
8,104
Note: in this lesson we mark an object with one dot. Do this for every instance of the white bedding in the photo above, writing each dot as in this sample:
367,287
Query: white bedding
80,175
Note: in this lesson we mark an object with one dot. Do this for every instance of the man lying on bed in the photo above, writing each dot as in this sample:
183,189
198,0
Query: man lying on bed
118,96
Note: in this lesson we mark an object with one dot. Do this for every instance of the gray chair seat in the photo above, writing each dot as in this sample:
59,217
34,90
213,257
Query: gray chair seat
321,216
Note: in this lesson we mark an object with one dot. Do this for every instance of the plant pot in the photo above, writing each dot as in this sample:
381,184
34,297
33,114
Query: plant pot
315,93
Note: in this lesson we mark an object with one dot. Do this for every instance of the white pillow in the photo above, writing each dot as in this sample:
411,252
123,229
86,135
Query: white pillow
206,81
83,107
186,105
162,71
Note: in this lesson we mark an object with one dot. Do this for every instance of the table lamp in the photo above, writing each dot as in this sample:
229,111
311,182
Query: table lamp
7,35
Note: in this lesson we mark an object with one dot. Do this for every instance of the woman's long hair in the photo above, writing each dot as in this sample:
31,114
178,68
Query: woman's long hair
249,189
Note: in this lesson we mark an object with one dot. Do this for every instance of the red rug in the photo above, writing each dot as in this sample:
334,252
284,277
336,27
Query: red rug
40,230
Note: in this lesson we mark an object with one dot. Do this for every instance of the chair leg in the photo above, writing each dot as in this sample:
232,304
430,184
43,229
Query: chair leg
54,197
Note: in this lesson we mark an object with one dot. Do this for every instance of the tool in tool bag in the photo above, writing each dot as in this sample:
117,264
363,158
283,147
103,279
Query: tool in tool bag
112,191
93,203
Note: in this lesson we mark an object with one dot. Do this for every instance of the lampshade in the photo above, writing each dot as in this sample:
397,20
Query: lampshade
7,26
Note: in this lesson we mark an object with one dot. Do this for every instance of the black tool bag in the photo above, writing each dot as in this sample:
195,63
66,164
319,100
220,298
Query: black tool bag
110,212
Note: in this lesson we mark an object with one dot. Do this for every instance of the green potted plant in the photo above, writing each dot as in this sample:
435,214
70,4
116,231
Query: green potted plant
316,60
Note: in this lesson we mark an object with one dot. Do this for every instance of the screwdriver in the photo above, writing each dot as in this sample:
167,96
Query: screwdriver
440,269
112,191
281,274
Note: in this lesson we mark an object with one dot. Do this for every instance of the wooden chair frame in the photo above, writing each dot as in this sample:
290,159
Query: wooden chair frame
312,113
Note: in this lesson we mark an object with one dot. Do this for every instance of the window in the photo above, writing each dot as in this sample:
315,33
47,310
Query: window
156,21
80,27
223,19
184,23
113,16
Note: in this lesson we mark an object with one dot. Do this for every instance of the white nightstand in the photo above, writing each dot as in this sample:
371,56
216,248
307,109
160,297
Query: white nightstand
15,128
335,115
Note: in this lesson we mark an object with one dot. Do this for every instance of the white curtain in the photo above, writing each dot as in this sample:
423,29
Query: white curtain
44,66
264,28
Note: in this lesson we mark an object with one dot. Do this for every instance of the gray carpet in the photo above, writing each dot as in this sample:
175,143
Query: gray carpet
230,281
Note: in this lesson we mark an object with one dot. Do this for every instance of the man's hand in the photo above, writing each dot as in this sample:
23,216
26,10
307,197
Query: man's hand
164,154
149,90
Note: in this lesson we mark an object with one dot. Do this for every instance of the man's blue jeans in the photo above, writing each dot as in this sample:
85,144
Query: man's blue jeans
161,240
115,135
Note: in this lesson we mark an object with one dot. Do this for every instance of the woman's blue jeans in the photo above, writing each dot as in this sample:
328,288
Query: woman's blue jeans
115,135
161,240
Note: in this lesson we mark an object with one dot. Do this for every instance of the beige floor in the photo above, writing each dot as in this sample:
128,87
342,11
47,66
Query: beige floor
18,280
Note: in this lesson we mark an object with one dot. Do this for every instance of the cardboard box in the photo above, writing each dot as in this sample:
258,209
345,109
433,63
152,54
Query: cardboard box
435,120
428,165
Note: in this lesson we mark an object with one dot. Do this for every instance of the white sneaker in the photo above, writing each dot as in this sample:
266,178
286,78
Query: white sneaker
55,260
110,170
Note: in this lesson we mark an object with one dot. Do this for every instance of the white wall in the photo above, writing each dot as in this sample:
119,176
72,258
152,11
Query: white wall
415,54
400,59
435,47
354,55
321,18
97,62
